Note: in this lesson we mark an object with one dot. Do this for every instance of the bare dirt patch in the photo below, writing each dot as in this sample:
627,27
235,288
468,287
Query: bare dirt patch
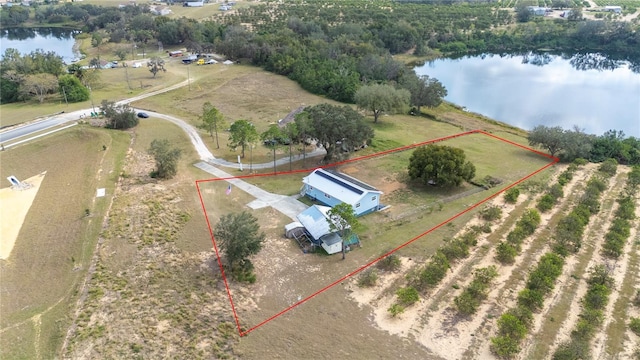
15,203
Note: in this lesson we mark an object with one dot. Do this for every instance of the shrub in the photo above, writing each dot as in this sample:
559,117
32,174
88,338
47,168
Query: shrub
469,301
531,299
571,350
580,161
529,221
626,209
491,213
506,253
516,236
368,278
511,195
609,167
599,275
636,299
596,297
504,346
390,263
455,249
583,331
433,272
634,325
395,310
466,303
545,203
511,326
407,296
523,314
556,191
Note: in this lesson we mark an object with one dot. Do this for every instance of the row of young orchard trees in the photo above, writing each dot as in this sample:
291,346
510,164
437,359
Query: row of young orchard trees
600,283
514,324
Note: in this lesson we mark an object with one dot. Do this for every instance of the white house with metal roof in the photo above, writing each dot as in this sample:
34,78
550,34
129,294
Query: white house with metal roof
317,222
332,188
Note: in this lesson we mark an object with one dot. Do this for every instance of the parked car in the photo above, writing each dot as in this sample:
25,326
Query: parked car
210,62
143,115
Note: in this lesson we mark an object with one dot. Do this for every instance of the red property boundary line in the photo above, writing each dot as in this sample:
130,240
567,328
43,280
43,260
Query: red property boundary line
554,160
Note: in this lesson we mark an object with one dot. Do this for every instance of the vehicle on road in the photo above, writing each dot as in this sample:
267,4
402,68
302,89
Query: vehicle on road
143,115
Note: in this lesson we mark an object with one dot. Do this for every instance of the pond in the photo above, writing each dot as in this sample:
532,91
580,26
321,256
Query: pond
58,40
588,90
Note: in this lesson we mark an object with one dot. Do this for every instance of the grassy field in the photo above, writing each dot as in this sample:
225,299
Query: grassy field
57,238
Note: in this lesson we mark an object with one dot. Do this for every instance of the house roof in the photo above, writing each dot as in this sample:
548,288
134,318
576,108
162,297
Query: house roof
331,239
341,186
316,220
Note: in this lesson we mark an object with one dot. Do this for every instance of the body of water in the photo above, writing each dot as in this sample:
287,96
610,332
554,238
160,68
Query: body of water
587,91
60,41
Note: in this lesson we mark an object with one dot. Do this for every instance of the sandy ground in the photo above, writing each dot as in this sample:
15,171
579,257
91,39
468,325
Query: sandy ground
437,326
14,206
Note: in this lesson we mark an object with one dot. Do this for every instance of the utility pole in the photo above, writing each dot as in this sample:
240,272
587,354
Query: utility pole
65,96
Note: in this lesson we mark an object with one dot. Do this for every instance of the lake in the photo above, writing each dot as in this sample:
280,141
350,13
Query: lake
588,90
48,39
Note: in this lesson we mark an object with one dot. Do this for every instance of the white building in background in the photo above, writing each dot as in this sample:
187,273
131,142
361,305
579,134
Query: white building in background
613,9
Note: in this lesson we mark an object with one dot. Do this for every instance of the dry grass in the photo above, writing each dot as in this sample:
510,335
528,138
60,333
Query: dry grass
57,238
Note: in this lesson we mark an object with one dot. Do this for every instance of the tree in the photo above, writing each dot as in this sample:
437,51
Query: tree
336,126
550,138
243,133
523,13
166,158
381,98
344,221
575,14
425,91
292,132
239,238
72,89
94,63
212,119
38,85
271,138
442,166
96,41
304,128
121,53
120,116
156,65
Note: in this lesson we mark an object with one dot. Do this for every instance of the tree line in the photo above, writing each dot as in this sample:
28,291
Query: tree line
573,144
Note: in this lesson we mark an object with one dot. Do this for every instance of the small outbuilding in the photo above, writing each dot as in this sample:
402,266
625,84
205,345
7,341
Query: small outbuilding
316,221
332,188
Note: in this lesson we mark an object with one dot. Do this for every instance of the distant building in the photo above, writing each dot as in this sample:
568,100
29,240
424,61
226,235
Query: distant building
194,3
613,9
332,188
537,10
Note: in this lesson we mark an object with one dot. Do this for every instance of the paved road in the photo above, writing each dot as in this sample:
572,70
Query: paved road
24,130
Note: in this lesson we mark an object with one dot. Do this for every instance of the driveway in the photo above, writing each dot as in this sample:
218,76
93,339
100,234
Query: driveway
288,205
